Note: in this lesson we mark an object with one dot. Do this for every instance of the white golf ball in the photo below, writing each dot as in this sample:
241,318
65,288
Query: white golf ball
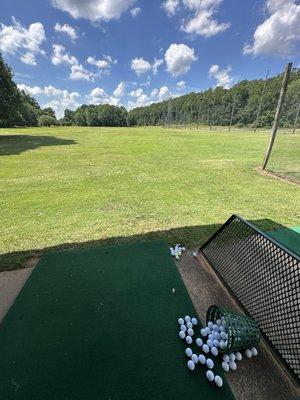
215,327
208,331
189,340
205,348
203,332
195,254
202,358
225,358
181,335
238,356
254,351
194,321
222,329
194,358
216,343
183,249
210,324
180,321
183,328
218,322
189,325
218,381
199,342
177,257
188,352
231,356
187,318
211,336
209,343
248,353
209,363
225,366
214,351
216,335
210,375
224,335
222,345
232,365
191,365
190,332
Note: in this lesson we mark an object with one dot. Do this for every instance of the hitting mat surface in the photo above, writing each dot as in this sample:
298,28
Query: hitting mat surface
101,324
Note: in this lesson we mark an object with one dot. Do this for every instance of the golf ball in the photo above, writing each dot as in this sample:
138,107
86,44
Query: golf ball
190,332
216,343
180,321
208,330
181,335
218,381
209,363
199,342
214,351
218,322
225,366
203,332
231,356
205,348
225,358
194,358
189,340
183,328
211,336
210,324
177,257
194,321
215,327
238,356
216,335
210,375
191,365
254,351
182,248
224,335
195,254
188,352
173,290
209,343
202,358
248,353
222,345
232,365
189,325
187,318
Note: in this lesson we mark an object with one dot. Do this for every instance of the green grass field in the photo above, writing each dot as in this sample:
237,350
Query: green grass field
76,186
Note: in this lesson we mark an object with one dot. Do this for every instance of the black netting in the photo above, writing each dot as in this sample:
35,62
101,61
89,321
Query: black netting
265,278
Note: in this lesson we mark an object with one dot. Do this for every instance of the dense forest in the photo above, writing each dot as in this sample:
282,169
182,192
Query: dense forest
211,107
216,106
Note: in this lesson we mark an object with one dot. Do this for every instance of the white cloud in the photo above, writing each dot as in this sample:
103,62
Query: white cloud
181,85
16,39
171,6
135,11
60,56
59,99
279,34
67,29
99,96
164,93
154,92
141,101
140,66
94,10
221,75
78,72
179,58
105,63
137,93
120,90
202,22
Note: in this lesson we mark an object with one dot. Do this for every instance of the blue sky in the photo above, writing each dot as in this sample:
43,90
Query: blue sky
135,52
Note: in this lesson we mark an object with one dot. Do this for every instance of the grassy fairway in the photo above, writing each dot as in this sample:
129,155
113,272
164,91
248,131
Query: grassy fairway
77,185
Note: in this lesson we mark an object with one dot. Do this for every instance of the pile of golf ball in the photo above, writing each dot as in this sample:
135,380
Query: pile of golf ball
214,337
177,251
186,332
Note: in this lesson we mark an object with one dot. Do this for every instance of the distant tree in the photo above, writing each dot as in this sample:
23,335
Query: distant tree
46,120
49,111
29,111
10,101
68,118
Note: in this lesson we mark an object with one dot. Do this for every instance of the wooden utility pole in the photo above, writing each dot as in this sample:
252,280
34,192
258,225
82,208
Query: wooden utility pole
232,111
283,90
261,101
296,118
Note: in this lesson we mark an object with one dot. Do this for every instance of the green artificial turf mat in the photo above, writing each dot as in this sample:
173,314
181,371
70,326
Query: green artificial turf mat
101,324
288,237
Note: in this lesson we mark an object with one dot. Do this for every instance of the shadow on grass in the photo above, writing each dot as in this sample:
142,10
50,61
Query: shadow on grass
17,144
190,236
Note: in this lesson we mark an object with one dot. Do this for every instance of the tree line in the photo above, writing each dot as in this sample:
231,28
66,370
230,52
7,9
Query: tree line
210,107
216,106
